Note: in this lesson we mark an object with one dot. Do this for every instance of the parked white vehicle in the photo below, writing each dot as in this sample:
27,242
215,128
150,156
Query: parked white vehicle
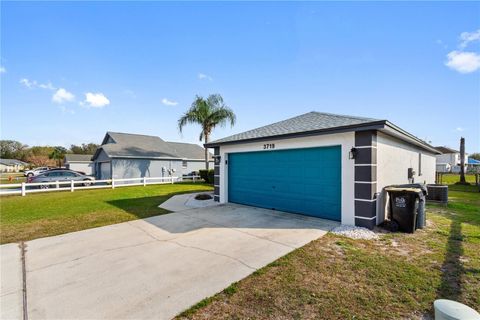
36,171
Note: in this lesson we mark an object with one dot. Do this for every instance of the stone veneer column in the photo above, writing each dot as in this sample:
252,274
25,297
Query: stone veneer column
216,177
365,179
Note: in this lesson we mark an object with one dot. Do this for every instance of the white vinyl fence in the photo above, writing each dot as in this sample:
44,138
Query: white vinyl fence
24,188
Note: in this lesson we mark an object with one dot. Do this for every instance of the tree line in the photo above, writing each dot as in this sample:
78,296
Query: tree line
42,155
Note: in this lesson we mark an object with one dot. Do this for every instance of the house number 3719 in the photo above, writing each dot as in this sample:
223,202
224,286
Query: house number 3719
269,146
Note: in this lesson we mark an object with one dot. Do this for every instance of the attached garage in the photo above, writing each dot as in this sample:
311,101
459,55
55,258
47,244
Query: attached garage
305,181
323,165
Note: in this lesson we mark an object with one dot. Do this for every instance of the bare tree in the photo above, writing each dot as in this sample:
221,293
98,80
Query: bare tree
462,161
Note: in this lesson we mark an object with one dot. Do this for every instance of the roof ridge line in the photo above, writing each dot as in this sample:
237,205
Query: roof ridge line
345,116
135,134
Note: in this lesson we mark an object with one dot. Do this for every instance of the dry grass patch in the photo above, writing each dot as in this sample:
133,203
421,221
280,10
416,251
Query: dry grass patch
396,277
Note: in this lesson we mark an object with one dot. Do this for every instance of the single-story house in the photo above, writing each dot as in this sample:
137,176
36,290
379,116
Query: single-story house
449,160
79,162
125,155
473,165
12,165
320,164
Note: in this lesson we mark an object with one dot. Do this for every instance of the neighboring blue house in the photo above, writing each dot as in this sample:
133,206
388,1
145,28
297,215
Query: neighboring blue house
125,155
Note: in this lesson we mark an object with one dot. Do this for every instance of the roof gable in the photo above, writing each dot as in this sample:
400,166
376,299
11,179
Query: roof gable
117,144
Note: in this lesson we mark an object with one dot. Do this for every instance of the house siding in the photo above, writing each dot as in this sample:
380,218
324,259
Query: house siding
123,168
102,158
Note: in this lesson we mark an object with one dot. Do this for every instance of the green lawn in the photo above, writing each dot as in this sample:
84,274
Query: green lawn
47,214
17,177
396,277
451,178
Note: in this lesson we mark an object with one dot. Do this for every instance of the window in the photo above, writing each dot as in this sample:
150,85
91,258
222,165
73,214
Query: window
53,174
419,164
69,174
184,164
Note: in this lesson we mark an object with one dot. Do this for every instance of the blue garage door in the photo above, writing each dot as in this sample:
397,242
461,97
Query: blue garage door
305,181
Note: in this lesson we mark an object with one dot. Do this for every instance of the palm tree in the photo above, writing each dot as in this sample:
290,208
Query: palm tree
208,113
57,154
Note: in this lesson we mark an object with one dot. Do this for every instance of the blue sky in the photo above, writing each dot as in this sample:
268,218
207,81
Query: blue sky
71,71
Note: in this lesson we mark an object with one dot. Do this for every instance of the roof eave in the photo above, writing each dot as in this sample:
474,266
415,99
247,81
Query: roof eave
398,132
374,125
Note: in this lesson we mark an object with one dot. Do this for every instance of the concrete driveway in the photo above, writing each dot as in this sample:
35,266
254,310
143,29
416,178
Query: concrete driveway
148,269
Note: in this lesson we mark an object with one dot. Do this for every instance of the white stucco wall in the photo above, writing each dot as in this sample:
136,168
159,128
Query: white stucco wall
345,140
394,157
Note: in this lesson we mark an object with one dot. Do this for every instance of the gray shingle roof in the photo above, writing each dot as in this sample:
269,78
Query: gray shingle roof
144,146
188,150
137,145
11,162
311,121
78,157
446,150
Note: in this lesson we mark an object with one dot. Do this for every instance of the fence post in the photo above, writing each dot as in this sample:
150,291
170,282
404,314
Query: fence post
23,189
113,183
171,179
144,181
193,179
72,186
57,185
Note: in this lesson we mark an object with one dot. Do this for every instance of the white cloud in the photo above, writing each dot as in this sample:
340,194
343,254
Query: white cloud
48,86
203,76
467,37
95,100
27,83
167,102
463,62
2,69
62,95
34,84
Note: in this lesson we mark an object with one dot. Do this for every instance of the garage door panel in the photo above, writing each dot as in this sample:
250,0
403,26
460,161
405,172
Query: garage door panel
306,181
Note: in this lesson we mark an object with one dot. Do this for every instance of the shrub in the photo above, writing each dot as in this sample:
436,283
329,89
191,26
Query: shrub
203,196
207,176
